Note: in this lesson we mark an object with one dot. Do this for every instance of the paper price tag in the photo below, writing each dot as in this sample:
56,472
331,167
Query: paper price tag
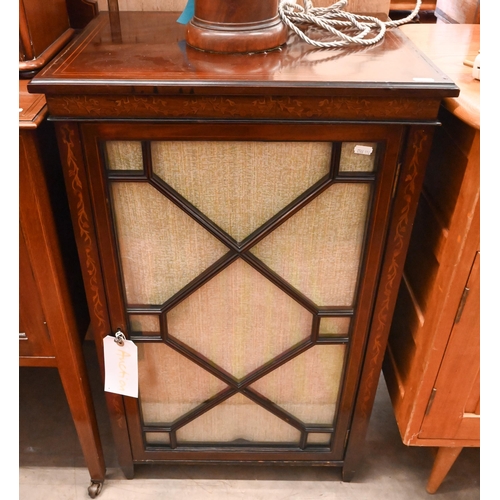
120,367
363,150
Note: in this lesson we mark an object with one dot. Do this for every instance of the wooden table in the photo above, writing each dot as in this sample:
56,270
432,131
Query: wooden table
432,360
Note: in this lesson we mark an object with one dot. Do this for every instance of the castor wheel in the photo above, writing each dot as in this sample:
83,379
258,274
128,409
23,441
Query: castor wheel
94,489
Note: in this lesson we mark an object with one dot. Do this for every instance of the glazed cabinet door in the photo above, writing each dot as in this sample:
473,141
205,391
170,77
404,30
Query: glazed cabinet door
242,260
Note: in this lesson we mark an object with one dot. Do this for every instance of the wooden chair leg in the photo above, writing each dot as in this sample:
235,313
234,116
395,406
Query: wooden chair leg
445,458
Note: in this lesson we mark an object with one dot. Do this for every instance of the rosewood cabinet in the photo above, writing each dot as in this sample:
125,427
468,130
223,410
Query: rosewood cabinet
244,220
432,359
53,312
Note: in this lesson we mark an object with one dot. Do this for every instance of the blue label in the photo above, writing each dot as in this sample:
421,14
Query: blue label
187,14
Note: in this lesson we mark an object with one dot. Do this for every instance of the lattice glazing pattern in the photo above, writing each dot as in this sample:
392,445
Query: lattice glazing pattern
239,320
161,248
308,385
170,385
238,418
318,250
240,185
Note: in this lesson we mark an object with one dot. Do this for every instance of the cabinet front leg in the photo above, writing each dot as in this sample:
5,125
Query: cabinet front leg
445,458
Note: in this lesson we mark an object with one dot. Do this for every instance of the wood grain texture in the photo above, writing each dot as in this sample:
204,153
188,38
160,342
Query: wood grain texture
427,344
162,90
52,305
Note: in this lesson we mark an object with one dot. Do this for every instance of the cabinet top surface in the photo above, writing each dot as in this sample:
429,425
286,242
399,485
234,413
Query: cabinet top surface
145,52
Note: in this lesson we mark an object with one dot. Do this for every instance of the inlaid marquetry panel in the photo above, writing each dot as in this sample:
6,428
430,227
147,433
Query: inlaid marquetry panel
161,248
318,250
238,418
240,185
170,385
308,385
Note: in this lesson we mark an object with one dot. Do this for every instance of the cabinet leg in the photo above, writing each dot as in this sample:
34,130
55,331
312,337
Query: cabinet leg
445,458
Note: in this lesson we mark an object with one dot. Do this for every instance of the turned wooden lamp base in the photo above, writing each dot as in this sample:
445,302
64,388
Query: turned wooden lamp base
236,26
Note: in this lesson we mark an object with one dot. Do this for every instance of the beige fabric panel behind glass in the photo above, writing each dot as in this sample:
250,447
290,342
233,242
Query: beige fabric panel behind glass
170,385
239,320
308,385
318,250
240,185
334,327
161,248
318,438
238,418
124,155
353,161
157,438
146,324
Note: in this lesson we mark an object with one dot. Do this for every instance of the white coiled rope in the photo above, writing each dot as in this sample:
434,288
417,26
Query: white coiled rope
346,28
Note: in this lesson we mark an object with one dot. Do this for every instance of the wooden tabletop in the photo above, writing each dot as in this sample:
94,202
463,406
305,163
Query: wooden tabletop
145,52
448,46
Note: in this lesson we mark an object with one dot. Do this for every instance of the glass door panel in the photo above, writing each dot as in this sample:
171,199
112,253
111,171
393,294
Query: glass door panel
170,385
240,263
318,250
240,185
307,386
161,248
239,320
239,421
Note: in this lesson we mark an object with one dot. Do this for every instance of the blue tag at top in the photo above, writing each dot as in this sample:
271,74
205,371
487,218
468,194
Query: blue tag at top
187,14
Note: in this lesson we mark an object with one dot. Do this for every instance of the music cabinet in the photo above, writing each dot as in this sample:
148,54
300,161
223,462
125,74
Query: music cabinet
244,219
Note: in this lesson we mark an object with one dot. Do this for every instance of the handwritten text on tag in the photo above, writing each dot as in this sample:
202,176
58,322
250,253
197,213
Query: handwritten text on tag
120,367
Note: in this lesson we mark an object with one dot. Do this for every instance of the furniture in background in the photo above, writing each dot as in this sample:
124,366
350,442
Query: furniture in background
410,5
46,27
244,220
357,6
53,312
458,12
432,360
400,9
